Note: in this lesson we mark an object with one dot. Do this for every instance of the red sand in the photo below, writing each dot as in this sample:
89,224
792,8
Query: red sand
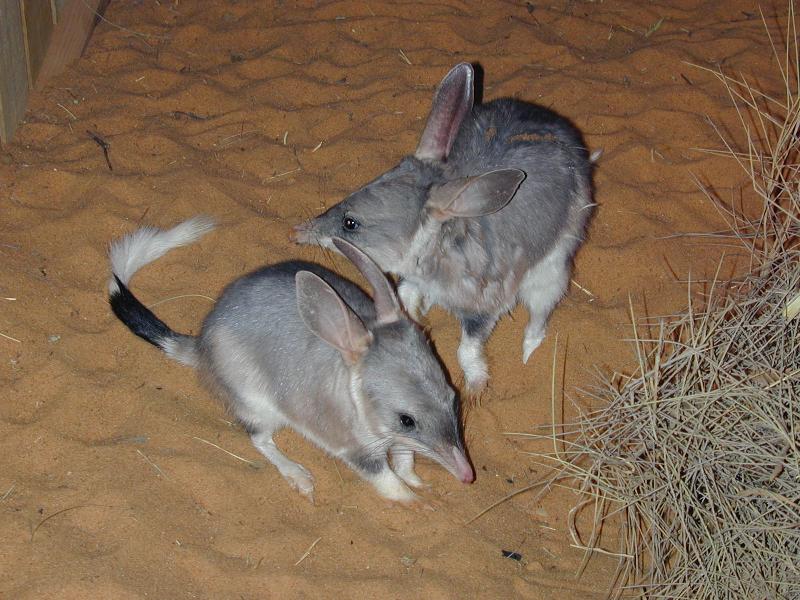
106,490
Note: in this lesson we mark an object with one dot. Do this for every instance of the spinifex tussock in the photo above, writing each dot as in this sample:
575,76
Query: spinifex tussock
695,458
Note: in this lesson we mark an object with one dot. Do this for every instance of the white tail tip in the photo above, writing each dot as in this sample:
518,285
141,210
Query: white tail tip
135,250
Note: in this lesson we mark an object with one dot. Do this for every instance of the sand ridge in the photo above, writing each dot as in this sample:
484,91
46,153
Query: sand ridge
261,115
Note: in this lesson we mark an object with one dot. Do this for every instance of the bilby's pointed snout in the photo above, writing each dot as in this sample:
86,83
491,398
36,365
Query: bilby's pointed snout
463,470
302,233
454,460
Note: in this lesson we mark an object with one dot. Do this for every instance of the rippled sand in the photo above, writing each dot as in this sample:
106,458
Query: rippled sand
261,117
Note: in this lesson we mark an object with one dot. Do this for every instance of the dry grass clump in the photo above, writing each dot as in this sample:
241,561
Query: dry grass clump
697,454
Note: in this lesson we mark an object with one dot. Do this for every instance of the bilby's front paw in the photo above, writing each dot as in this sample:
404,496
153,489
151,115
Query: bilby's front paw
412,479
394,489
412,300
424,306
403,466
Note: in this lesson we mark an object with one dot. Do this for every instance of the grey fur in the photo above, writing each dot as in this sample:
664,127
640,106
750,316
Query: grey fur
455,224
295,345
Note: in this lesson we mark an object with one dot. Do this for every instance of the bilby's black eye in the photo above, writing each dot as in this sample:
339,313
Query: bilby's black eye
350,224
407,422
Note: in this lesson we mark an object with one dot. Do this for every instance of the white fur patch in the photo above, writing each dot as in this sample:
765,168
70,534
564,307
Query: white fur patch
130,253
542,288
472,361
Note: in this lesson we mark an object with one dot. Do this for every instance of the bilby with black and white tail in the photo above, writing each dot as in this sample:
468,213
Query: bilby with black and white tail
296,345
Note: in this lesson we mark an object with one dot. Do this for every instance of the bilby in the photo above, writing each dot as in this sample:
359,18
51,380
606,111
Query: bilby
296,345
488,212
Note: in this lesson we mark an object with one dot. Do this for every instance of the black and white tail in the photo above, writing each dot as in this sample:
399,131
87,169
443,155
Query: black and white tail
131,253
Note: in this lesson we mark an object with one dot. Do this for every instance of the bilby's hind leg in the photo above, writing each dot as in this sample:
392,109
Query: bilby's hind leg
541,289
475,330
403,466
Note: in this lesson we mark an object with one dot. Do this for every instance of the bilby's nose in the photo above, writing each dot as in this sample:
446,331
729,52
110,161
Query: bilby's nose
463,470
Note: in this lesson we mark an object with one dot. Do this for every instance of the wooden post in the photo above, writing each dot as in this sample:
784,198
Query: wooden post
38,39
13,68
76,19
37,16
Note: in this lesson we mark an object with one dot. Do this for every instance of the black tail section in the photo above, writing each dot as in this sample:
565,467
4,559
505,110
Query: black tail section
138,318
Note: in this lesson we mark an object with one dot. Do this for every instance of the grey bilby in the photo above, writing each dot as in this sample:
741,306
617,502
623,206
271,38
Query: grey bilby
295,345
487,212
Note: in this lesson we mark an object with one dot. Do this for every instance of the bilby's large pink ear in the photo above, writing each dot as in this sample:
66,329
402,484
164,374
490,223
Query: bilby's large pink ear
329,318
475,196
387,306
451,103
